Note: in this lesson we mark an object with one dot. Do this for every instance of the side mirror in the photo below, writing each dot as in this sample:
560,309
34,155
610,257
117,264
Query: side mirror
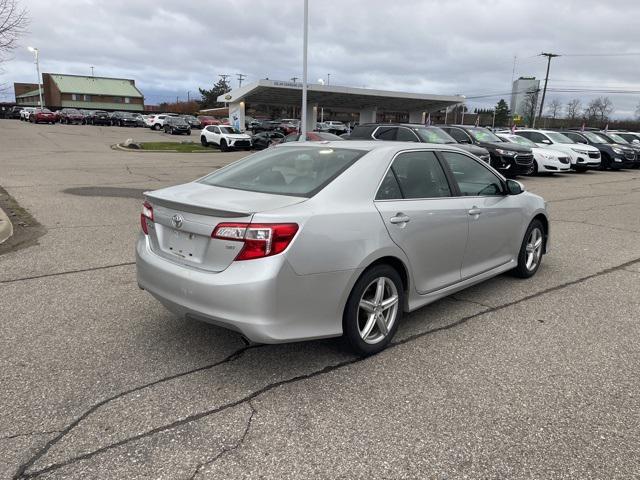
514,187
636,141
545,141
466,140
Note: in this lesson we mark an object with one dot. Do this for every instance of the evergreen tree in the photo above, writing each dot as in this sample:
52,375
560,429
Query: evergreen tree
502,113
210,97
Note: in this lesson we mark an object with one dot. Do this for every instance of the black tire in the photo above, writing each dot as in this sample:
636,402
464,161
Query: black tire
203,141
156,126
522,270
535,168
223,145
354,317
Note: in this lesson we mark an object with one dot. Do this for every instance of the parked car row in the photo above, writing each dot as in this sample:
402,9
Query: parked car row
520,152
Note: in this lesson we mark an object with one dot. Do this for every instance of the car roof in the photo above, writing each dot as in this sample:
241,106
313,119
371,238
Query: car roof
371,145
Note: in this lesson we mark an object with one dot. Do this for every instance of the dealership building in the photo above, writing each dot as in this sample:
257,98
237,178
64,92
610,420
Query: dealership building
363,105
78,91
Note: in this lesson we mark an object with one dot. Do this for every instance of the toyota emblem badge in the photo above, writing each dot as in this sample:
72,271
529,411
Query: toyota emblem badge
177,220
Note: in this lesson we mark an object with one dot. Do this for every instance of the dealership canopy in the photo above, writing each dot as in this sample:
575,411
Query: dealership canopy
363,100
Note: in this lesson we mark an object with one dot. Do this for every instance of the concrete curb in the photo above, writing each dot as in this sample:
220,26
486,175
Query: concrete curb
6,227
118,146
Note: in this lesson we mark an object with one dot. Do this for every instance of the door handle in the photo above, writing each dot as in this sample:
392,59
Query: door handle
400,218
475,211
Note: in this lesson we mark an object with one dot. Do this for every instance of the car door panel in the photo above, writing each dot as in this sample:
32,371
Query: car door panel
424,219
494,218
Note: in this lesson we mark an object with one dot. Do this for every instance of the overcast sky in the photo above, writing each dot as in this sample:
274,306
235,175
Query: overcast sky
427,46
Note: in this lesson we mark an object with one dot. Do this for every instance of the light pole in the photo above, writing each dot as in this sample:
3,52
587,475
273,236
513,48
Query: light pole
37,55
303,120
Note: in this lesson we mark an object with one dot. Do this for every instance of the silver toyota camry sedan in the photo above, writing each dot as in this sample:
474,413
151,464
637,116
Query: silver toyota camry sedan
313,240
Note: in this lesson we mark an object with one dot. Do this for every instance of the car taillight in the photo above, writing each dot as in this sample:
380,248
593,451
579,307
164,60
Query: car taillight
147,214
260,239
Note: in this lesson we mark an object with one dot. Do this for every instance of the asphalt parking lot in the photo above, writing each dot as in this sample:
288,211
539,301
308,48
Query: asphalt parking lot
509,379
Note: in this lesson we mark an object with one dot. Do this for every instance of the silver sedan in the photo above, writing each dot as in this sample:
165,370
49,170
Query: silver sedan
314,240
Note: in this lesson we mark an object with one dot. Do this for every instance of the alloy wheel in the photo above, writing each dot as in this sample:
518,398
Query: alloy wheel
533,249
377,310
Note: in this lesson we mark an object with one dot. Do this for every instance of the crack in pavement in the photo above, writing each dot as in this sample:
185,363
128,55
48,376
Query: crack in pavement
229,358
22,474
29,434
472,302
225,450
584,222
67,272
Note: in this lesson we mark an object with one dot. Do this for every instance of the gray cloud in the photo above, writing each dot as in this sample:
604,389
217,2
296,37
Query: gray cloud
454,46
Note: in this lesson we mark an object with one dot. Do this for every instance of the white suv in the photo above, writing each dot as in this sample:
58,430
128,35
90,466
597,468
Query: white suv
582,156
157,121
225,137
335,127
545,160
26,112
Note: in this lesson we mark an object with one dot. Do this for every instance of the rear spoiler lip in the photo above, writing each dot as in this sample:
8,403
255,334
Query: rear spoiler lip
185,207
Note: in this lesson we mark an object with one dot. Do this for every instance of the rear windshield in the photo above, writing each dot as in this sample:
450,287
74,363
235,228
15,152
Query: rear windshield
297,171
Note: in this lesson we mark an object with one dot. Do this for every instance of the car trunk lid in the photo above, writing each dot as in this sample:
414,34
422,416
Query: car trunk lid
186,215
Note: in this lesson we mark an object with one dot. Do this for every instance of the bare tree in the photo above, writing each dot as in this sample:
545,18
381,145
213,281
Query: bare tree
554,108
605,108
530,105
599,109
638,111
13,23
574,109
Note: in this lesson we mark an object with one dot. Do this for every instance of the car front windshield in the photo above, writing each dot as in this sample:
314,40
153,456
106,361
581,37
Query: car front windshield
558,137
433,135
231,130
300,171
521,140
617,138
484,135
594,137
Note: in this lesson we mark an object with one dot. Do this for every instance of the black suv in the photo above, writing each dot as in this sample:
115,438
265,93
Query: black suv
614,137
411,132
100,117
508,158
176,126
123,119
614,156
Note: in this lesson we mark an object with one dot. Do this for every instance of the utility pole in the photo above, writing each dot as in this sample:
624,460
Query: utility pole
546,79
188,95
328,78
241,77
224,78
294,79
305,40
92,72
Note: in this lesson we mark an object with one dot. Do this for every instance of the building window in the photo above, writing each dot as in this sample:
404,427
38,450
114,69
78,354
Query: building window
127,100
87,98
74,97
117,99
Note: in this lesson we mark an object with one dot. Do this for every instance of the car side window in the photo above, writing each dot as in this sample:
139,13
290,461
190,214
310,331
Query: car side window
536,137
216,130
385,133
406,135
473,179
414,175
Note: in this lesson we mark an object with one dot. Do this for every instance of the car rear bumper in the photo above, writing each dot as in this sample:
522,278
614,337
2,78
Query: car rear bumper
265,300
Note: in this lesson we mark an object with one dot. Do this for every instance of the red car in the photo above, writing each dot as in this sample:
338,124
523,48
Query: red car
71,115
42,115
205,120
313,137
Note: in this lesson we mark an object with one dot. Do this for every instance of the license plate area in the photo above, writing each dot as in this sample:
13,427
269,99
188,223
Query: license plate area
184,244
